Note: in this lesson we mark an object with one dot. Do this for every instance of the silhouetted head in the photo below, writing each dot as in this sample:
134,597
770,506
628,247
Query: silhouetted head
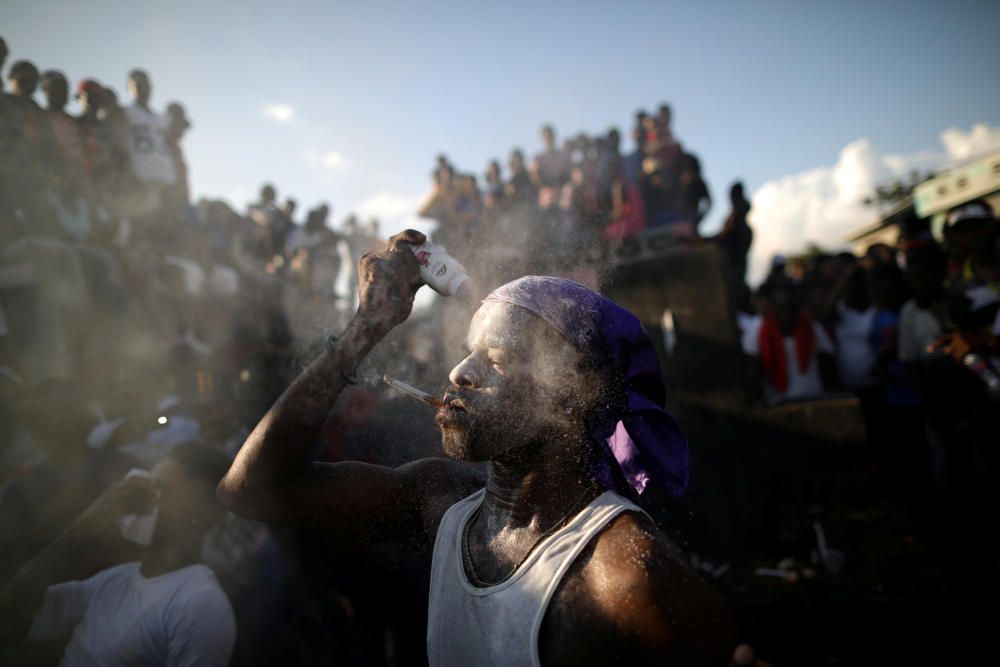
493,173
56,89
3,52
548,137
736,192
614,140
185,481
139,86
881,253
516,163
267,194
177,121
888,286
108,108
444,176
664,115
972,228
786,296
23,77
323,212
89,93
857,293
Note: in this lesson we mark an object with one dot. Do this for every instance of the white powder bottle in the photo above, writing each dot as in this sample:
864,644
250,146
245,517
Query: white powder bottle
441,271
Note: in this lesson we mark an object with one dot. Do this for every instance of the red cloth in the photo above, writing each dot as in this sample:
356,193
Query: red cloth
772,348
633,216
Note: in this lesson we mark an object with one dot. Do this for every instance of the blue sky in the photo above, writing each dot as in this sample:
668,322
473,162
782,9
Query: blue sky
759,90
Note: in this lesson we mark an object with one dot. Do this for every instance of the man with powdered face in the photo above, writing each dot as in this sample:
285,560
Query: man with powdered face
545,559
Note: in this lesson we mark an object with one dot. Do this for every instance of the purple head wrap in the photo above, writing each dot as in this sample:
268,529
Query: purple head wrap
646,441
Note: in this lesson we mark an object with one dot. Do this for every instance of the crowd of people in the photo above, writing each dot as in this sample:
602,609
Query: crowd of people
142,332
912,332
572,198
142,337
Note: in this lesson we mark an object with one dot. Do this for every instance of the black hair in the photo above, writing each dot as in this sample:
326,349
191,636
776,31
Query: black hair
22,67
201,461
929,257
888,286
50,78
857,295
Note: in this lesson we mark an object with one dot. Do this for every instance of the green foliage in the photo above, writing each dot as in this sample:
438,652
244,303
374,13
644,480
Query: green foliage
886,196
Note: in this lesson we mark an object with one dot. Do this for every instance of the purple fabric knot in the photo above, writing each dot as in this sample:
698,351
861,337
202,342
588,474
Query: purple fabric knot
645,439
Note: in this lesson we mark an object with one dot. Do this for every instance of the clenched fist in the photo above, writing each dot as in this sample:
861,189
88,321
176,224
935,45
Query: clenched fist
388,281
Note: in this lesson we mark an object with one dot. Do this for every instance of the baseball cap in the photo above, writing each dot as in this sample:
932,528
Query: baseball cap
973,210
88,86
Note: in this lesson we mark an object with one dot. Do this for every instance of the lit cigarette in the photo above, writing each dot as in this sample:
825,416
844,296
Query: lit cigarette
413,391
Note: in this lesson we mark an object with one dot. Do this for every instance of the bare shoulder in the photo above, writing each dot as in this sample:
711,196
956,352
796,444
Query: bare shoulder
437,484
634,596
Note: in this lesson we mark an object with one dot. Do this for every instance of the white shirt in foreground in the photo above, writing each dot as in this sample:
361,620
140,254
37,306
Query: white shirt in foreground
498,625
119,617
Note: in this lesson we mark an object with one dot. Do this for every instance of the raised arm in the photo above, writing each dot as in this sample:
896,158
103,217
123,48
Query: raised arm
91,543
274,478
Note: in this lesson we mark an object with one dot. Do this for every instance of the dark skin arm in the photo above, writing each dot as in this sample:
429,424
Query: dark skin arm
92,543
631,599
274,478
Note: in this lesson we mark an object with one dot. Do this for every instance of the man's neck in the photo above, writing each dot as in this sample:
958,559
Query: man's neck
537,487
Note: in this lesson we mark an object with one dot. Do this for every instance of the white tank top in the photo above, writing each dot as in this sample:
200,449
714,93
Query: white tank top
498,625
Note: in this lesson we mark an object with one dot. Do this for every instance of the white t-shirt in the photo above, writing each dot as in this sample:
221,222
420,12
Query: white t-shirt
801,384
855,355
152,160
119,617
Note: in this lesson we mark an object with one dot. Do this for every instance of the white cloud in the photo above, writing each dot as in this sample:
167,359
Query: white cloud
981,139
824,204
333,160
395,212
279,113
326,160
